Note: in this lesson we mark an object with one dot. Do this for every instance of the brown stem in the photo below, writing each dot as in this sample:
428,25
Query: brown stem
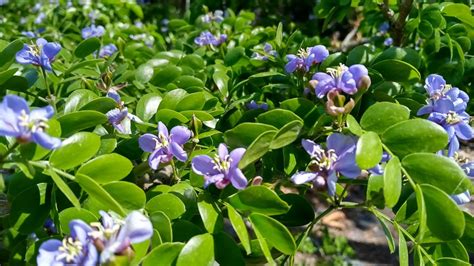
397,25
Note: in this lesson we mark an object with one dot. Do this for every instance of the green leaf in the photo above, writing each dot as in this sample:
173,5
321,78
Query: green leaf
422,216
186,82
75,150
388,235
439,171
468,236
69,214
128,195
77,99
259,147
380,116
452,249
353,125
408,55
402,249
172,98
425,29
97,192
459,11
76,121
30,209
301,212
226,251
193,101
239,227
279,34
233,55
374,192
451,262
168,203
286,135
274,232
65,189
166,76
244,134
162,224
396,70
369,150
87,47
107,168
392,180
221,79
278,117
210,213
258,199
101,104
144,73
148,105
359,55
10,51
444,218
165,254
416,135
168,116
198,251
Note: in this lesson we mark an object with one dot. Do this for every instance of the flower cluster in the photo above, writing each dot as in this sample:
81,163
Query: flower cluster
252,105
147,39
222,169
206,38
306,58
447,107
266,53
217,16
41,54
16,120
107,50
328,164
92,31
98,242
165,146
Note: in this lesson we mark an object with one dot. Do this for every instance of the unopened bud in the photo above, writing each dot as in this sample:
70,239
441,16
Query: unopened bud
257,181
364,83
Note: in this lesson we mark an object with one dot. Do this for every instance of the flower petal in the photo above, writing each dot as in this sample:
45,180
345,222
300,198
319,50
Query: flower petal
16,103
464,131
162,129
137,228
51,49
303,177
148,142
204,165
178,151
180,134
222,151
237,178
340,143
462,198
331,182
79,230
347,166
42,113
156,158
236,156
48,252
45,140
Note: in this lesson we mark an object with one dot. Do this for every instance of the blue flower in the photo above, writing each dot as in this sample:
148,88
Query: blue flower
107,50
217,16
76,249
342,79
17,121
165,146
39,19
306,58
119,117
206,38
384,27
328,164
28,34
41,54
114,236
462,198
388,41
222,169
92,31
252,105
267,52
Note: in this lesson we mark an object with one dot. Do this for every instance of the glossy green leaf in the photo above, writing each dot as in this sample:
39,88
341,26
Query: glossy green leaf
374,192
95,191
172,98
451,262
259,147
199,250
353,125
107,168
210,213
451,249
75,150
459,11
9,52
244,134
128,195
396,70
369,150
439,171
392,180
162,224
422,216
444,219
76,121
388,235
69,214
239,227
278,117
30,209
168,203
416,135
147,106
382,115
408,55
87,47
258,199
77,99
402,249
221,79
165,254
166,75
101,104
301,211
144,73
468,236
65,189
226,251
274,232
286,135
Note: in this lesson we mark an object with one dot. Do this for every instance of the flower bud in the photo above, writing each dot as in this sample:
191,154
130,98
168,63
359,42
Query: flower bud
364,83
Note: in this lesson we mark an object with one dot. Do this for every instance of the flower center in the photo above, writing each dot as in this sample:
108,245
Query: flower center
337,71
163,141
441,93
222,165
104,233
303,53
452,118
70,249
324,159
32,125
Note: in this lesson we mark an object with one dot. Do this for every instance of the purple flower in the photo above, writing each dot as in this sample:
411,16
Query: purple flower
76,249
342,79
107,50
92,31
328,164
252,105
306,58
39,19
17,121
438,90
119,117
384,27
28,34
388,41
114,236
206,38
267,51
93,15
164,146
222,169
462,198
41,54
